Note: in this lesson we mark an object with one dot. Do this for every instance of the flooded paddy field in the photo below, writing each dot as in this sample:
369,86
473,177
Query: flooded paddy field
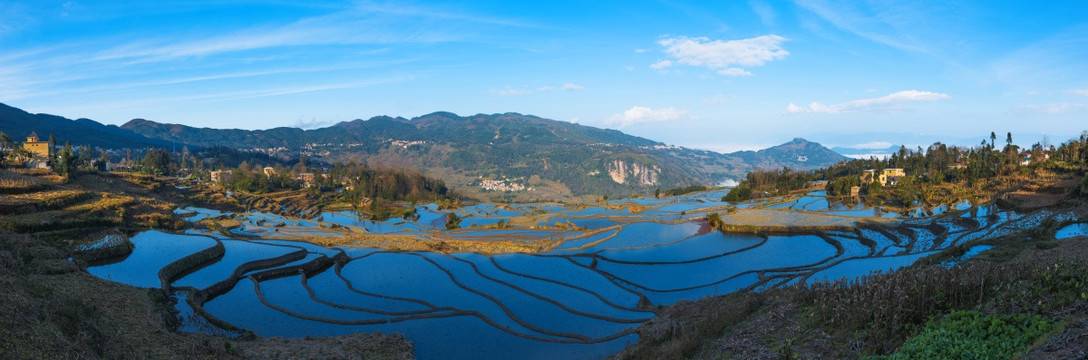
526,280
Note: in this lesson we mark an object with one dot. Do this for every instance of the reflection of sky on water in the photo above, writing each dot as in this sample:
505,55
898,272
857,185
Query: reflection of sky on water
586,288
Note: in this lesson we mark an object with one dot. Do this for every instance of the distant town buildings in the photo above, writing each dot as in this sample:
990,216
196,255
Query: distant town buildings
406,143
503,184
1026,158
662,147
220,176
307,179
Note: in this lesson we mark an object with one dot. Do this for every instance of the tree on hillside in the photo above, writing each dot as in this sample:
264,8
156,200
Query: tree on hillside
52,160
103,158
157,162
67,161
83,158
5,147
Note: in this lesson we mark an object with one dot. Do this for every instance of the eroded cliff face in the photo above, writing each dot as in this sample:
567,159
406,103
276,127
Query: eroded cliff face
634,173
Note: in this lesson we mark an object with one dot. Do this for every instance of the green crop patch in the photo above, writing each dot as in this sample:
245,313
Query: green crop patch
972,335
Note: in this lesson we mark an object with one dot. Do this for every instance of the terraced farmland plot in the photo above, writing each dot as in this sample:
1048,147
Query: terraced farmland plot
538,291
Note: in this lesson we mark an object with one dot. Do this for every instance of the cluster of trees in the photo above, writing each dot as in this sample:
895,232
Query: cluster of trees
67,162
935,165
356,182
253,179
770,183
388,184
940,163
158,162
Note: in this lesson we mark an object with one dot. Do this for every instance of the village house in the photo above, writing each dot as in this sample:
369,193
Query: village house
269,171
307,179
221,176
1026,158
40,151
890,177
886,177
37,147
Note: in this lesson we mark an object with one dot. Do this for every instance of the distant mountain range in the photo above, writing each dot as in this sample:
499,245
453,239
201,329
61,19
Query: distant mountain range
18,124
540,158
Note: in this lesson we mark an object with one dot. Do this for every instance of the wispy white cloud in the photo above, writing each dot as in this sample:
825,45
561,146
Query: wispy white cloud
512,91
735,72
436,12
363,23
643,115
872,145
766,14
313,123
661,65
192,100
890,102
1044,63
716,99
1082,92
888,25
723,56
344,28
730,147
171,58
1056,109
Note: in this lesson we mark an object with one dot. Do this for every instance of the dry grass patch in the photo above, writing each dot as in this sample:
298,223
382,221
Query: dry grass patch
12,182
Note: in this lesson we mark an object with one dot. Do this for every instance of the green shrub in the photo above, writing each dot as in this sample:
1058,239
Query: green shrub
684,190
971,335
453,221
741,192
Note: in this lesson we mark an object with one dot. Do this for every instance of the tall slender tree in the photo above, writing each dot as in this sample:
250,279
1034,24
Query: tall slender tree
68,159
52,159
5,147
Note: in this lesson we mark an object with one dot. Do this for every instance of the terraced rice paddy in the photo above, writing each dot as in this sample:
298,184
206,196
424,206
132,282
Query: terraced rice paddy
576,290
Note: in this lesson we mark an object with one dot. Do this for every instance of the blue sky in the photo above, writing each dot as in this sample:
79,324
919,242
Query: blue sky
721,75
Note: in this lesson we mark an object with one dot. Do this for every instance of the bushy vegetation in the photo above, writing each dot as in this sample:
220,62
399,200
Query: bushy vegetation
388,184
932,174
926,311
453,221
972,335
760,184
883,310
